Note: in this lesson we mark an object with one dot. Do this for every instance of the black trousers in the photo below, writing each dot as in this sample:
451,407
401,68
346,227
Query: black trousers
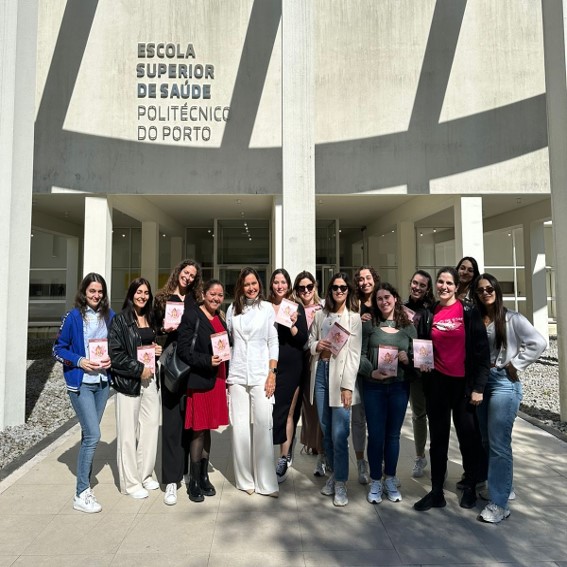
175,439
445,395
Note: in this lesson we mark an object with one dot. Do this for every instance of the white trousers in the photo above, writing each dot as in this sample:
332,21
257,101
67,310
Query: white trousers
252,439
137,428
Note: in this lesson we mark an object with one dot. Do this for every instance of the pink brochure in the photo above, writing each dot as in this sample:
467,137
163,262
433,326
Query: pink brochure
173,314
423,353
221,345
147,356
310,312
286,310
387,361
98,350
338,336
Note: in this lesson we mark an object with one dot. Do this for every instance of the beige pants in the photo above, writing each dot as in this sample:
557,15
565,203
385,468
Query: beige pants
137,428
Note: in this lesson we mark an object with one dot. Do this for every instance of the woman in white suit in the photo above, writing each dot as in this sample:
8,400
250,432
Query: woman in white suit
251,384
333,378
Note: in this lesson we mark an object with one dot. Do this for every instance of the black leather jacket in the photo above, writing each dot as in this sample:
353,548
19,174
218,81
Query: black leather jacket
123,342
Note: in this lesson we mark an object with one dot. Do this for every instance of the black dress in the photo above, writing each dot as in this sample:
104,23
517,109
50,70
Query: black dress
290,371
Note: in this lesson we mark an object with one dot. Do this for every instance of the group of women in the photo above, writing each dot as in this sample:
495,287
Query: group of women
345,359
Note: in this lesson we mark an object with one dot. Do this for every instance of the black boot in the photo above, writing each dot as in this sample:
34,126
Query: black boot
194,490
206,486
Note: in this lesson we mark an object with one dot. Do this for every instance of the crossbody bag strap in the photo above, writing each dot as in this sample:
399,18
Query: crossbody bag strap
195,335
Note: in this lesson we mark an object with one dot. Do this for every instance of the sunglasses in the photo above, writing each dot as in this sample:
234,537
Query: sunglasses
342,288
304,288
482,290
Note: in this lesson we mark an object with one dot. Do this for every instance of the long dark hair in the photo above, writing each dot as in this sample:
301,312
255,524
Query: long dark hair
81,296
128,305
375,277
351,302
499,313
194,289
400,316
462,287
305,275
428,298
239,298
285,274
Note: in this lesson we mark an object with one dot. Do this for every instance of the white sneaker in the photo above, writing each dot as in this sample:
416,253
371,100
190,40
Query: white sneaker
281,469
363,476
329,488
512,495
418,466
493,514
391,489
139,494
341,498
170,497
86,502
374,495
150,484
320,466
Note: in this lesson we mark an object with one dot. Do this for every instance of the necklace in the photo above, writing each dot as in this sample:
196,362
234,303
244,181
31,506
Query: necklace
388,323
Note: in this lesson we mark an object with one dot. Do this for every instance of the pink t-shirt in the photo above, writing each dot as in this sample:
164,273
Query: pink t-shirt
448,336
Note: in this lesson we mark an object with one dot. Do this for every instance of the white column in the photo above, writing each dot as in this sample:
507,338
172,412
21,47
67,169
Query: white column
97,247
554,42
536,290
469,235
406,254
72,276
176,250
150,253
18,44
298,150
277,235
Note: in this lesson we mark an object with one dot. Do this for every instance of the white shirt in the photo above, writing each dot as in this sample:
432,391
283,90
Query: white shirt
254,343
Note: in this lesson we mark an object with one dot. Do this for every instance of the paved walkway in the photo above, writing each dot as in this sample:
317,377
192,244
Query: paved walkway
39,527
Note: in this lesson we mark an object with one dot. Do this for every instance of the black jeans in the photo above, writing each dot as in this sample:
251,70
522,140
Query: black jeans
445,395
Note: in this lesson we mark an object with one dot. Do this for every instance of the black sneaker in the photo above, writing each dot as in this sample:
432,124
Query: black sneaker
430,500
281,469
468,498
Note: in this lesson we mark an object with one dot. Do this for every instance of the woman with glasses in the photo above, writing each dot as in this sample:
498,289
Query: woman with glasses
366,279
335,341
468,271
252,383
455,386
418,308
305,290
514,345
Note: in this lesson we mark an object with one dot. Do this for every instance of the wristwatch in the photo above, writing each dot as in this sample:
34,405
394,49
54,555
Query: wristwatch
274,370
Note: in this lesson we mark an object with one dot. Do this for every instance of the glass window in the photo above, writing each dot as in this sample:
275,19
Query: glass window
244,242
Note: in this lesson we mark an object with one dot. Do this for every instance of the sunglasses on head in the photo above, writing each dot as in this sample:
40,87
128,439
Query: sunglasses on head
482,290
304,288
342,288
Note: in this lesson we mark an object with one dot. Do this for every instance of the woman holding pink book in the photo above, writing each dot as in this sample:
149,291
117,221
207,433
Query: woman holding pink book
137,399
206,407
181,292
335,341
86,380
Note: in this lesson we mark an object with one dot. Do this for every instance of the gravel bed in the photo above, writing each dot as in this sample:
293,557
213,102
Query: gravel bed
48,406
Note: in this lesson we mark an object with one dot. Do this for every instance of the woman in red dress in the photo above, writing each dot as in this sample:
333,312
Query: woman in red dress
206,407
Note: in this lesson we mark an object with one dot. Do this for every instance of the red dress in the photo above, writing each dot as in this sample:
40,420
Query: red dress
209,410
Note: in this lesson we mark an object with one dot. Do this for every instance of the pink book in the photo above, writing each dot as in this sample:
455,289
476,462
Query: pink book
98,350
338,336
423,353
221,345
173,314
387,361
286,310
147,356
310,312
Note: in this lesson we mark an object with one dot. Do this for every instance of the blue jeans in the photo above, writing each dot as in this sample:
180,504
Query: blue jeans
496,417
335,425
385,406
89,403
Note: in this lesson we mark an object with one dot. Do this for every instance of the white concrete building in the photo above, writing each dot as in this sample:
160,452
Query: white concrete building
311,135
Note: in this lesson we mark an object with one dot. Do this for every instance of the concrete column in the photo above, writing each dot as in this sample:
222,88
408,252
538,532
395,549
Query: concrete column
406,254
177,252
298,125
72,277
554,42
18,44
469,234
536,289
277,235
97,247
150,253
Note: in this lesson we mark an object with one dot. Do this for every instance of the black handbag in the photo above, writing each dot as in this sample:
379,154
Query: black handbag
175,372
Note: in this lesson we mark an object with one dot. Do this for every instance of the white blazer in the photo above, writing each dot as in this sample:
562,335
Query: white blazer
343,368
254,343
